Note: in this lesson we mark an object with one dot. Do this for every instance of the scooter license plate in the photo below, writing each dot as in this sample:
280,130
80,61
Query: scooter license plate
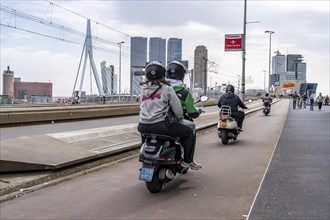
146,174
223,123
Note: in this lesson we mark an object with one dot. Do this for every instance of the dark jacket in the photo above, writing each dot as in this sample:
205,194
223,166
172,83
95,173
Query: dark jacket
232,100
267,98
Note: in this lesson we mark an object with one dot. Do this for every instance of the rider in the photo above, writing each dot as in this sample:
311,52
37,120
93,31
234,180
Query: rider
267,100
175,73
229,98
157,97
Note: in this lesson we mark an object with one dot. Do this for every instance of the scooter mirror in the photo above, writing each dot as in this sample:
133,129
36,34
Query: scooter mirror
250,100
204,98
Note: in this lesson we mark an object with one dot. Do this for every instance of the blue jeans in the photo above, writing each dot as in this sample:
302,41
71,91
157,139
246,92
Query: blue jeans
312,107
304,102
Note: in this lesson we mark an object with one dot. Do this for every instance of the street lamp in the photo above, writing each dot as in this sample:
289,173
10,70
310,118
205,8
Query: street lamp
264,80
119,91
270,48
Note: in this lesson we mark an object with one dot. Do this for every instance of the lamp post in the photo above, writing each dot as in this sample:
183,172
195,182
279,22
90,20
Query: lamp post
270,49
264,80
119,87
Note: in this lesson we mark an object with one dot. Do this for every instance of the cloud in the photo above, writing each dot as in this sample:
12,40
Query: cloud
300,27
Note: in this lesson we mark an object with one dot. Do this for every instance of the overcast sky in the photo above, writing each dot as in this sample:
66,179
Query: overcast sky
39,52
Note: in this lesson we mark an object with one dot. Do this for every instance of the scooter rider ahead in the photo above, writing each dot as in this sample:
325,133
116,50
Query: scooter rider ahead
267,99
232,100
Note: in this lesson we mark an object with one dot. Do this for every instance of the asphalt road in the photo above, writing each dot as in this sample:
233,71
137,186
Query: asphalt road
224,189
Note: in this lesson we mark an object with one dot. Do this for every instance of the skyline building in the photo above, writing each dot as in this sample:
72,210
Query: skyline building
8,82
278,68
36,92
301,71
200,68
139,53
157,50
174,49
292,77
109,79
292,60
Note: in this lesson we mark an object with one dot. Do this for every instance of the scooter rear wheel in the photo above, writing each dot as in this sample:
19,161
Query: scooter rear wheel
155,185
224,137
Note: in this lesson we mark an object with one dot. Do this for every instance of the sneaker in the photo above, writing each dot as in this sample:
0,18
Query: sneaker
185,165
195,166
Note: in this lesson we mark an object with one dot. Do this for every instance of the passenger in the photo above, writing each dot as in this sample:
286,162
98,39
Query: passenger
267,99
229,98
157,98
175,73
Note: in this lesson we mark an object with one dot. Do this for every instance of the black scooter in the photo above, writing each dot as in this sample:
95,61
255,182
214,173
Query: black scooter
161,158
266,109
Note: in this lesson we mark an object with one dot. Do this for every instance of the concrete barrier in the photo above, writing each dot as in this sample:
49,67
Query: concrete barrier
30,114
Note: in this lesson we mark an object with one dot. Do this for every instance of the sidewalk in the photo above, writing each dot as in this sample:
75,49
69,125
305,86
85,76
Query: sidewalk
296,184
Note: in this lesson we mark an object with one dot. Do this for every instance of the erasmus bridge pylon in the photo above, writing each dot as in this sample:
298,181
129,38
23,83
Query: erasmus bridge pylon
87,53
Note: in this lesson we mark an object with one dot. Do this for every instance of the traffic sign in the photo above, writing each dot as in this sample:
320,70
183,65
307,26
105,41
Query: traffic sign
233,42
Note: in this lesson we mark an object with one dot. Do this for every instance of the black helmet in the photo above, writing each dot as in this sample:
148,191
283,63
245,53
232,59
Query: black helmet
155,70
266,94
230,88
175,70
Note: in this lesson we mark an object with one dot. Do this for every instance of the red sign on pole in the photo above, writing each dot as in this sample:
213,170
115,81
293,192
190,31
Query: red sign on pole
233,42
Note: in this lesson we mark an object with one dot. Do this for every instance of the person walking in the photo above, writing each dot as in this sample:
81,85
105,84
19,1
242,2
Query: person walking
299,101
319,101
294,100
326,101
311,101
304,99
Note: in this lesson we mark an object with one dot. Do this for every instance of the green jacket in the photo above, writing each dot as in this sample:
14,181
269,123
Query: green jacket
187,101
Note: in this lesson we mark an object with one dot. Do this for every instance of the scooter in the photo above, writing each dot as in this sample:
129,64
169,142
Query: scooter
227,125
161,158
266,109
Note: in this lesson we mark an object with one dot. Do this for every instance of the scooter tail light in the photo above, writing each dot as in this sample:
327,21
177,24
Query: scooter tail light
223,119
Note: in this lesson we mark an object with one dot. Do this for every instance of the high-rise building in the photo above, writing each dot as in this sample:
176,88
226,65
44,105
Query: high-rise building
292,60
109,82
157,50
200,68
174,49
278,63
301,71
295,64
138,61
278,68
8,82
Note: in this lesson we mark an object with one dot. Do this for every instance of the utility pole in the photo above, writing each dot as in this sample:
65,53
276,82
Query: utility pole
243,54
